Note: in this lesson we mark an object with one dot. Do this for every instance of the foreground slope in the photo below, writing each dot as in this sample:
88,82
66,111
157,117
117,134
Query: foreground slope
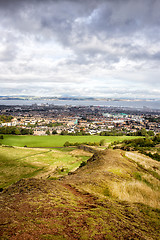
17,163
86,204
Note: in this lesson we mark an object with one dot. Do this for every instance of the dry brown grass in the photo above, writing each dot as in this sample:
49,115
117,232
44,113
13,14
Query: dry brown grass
80,152
145,161
113,174
137,192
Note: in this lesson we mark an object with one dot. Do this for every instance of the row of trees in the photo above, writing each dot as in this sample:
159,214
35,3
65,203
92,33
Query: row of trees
143,145
140,142
142,132
101,143
114,132
25,131
77,133
143,142
37,124
16,131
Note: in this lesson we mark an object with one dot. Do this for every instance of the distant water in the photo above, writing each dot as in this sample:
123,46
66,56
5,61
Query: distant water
152,104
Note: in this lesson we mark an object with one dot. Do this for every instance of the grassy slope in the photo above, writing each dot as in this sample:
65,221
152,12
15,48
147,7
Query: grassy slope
86,204
113,173
55,140
17,163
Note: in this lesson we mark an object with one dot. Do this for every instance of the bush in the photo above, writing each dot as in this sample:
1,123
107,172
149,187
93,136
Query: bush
82,164
48,132
102,142
1,137
67,144
54,132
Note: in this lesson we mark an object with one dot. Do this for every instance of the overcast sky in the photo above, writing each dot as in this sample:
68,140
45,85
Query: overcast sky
95,48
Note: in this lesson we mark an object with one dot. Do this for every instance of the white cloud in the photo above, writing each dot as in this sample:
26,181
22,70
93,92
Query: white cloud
88,48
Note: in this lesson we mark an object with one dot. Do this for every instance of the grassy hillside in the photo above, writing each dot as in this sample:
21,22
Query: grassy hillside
114,196
128,176
17,163
55,140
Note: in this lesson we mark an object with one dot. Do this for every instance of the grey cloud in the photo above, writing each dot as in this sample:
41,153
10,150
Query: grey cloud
100,33
69,21
145,56
111,16
8,54
55,90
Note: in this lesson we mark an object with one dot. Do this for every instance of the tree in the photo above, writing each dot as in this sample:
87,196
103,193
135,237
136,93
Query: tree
150,133
31,132
66,144
24,131
48,132
141,132
54,132
1,137
17,131
64,132
102,142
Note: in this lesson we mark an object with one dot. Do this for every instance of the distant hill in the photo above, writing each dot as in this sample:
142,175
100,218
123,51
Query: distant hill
74,98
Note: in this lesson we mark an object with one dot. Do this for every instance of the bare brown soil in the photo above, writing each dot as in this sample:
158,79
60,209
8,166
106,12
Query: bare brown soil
78,206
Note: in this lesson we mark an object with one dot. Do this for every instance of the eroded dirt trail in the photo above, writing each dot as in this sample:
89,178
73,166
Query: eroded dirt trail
85,200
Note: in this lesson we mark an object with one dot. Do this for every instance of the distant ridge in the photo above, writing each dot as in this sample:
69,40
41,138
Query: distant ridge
23,97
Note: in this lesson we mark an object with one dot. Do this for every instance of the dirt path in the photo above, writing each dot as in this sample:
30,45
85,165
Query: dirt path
86,200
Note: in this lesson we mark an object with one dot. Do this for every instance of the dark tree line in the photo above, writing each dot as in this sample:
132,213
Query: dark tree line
143,145
5,118
16,131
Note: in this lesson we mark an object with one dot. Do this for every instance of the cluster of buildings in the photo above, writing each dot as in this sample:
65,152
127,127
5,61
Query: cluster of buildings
53,119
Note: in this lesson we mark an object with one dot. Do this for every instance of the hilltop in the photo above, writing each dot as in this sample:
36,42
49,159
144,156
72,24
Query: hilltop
115,195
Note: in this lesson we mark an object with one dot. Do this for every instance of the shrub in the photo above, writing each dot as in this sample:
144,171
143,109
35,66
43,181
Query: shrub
1,137
54,132
102,142
82,164
48,132
67,144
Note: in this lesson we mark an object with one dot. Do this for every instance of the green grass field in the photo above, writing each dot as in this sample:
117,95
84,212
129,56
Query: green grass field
56,140
17,163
